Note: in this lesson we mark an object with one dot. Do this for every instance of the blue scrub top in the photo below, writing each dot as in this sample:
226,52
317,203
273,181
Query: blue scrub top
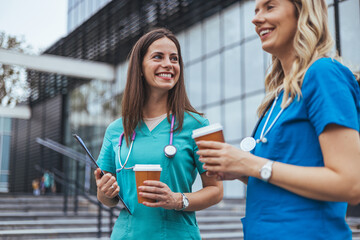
178,173
330,95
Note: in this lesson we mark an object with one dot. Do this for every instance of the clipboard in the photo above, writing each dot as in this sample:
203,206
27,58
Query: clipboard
118,197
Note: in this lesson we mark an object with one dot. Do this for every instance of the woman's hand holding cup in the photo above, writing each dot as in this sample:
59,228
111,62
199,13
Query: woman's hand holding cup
223,160
161,195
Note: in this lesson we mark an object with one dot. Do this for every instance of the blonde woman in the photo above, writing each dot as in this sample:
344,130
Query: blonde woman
304,166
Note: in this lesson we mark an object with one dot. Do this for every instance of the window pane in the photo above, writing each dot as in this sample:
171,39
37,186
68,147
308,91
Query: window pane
251,105
331,21
194,84
232,24
213,114
7,125
212,34
248,8
254,66
213,79
233,121
232,72
121,74
349,32
194,36
3,178
5,158
181,38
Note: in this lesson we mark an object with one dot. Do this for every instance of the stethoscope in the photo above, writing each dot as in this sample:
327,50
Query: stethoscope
169,150
249,143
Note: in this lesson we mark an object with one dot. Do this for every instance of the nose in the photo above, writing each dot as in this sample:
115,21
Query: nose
166,63
258,19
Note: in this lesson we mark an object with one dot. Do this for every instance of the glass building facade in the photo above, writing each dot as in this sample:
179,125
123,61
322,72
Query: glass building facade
81,10
225,68
5,137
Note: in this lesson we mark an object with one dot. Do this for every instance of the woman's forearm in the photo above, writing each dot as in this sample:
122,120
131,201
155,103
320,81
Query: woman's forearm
210,194
320,183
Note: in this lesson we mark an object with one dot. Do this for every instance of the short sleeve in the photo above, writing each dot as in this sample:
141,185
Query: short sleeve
331,95
199,165
107,155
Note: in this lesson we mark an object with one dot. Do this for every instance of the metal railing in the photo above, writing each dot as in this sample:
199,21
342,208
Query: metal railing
74,185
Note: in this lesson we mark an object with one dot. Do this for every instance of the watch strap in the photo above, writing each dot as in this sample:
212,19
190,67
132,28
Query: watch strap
185,202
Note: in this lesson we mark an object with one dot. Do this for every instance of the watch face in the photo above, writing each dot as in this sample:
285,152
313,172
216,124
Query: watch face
265,173
186,202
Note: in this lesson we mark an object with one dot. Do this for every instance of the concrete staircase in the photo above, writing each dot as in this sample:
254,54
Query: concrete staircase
30,217
42,217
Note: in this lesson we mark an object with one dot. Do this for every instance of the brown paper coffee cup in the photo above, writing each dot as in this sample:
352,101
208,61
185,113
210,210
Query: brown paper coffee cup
213,132
145,172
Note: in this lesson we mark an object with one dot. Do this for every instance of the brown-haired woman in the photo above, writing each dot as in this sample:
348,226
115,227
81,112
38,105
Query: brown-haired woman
154,105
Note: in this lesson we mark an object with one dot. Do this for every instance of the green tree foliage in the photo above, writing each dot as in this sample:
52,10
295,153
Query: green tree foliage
13,85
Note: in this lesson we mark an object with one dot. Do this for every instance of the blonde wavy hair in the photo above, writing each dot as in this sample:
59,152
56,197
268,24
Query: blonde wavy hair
312,41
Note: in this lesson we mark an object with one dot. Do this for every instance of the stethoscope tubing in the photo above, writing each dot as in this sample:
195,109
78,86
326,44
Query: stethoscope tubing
132,142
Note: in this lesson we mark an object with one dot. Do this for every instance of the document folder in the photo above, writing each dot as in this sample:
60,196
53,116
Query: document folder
102,173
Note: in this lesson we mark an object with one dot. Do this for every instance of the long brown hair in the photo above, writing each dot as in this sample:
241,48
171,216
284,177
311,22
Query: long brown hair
135,94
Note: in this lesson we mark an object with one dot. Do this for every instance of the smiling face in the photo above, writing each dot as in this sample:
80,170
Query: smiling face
160,65
276,24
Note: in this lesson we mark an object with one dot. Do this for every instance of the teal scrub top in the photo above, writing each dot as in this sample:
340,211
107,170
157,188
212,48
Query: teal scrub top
178,173
330,95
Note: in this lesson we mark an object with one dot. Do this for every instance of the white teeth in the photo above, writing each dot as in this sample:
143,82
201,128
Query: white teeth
165,75
263,32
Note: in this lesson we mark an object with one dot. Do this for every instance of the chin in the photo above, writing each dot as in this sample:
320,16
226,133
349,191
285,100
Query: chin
267,48
167,87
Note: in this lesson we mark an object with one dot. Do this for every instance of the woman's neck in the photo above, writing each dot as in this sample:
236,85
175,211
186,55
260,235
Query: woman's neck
156,105
287,62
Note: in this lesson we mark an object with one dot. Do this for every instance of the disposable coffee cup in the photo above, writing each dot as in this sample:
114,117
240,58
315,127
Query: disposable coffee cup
213,132
145,172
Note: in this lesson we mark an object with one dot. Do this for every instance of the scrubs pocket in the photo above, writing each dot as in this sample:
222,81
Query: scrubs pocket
176,231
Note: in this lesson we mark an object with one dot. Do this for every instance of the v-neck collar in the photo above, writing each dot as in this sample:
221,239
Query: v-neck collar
156,129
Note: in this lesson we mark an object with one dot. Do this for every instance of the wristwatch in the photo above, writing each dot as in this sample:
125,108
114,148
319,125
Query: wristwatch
185,202
266,171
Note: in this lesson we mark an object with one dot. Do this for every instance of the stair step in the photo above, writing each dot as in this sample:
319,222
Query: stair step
228,227
38,208
46,215
52,223
52,233
223,236
219,219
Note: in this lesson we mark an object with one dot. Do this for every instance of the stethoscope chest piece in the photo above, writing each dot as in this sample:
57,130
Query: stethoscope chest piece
170,151
248,144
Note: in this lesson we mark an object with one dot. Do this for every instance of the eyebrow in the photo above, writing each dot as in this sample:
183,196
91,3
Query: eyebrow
161,53
264,4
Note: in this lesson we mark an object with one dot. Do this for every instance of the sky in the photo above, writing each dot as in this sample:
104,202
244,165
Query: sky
40,23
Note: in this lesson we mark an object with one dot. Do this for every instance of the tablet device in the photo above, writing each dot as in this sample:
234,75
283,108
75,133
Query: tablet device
102,173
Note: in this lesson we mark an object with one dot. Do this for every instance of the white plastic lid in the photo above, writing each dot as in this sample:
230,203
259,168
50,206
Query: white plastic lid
147,167
207,130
